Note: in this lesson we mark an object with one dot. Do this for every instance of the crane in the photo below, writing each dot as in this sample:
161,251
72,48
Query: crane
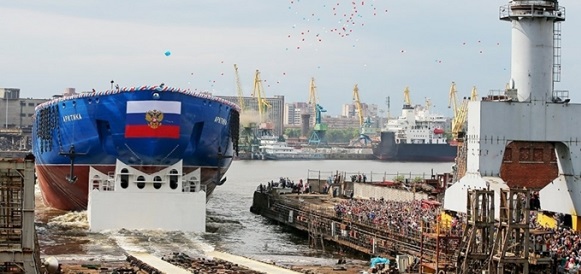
263,105
319,129
239,89
452,102
406,96
313,98
358,105
460,112
363,123
474,94
258,93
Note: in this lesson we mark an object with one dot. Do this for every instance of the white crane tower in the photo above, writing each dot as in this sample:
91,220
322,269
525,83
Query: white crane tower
528,137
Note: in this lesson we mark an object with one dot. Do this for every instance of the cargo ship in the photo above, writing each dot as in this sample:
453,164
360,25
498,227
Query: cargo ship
416,135
148,134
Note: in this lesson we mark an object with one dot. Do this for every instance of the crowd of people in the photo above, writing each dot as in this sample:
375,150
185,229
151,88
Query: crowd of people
407,218
560,243
286,183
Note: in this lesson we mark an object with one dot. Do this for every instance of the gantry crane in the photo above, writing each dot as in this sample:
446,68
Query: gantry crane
265,126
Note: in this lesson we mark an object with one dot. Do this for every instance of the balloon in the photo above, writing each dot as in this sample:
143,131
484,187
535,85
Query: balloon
167,53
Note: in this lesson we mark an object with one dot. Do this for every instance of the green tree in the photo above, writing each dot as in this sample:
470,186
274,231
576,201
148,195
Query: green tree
292,132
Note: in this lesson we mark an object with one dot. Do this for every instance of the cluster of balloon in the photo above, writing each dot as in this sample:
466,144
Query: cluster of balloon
167,53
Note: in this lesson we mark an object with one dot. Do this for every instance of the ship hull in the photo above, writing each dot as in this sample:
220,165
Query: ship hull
388,150
74,134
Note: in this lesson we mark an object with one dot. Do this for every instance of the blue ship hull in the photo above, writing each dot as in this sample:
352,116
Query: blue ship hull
146,128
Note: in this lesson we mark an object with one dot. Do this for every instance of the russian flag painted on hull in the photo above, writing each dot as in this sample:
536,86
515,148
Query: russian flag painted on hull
153,119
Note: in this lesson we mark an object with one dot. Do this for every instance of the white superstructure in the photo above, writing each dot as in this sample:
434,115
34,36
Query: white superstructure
416,125
131,199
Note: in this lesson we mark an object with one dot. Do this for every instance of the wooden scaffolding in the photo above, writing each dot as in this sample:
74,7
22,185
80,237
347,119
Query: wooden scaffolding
19,252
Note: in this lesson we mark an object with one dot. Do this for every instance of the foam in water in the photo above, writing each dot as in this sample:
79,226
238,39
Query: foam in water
159,242
72,219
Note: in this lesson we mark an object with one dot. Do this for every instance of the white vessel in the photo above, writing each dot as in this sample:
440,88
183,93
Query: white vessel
272,148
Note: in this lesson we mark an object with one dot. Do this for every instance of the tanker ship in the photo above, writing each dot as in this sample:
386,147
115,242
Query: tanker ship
143,135
416,135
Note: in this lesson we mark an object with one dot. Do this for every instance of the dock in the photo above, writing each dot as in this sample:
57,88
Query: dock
315,215
408,227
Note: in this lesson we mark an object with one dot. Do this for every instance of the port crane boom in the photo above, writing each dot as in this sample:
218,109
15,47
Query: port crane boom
239,89
406,96
258,93
358,105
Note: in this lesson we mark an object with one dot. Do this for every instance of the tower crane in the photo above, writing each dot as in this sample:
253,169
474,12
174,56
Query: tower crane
239,89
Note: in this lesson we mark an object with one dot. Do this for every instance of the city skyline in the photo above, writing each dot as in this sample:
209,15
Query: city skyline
382,47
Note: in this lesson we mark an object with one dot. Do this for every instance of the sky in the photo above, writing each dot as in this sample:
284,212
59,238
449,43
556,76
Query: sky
382,46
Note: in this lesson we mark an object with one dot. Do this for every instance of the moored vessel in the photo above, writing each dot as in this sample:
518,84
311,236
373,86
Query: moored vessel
416,135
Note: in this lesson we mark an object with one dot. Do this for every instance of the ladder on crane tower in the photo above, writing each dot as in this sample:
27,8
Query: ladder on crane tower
557,52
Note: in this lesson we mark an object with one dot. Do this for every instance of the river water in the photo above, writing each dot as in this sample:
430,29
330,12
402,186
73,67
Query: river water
230,225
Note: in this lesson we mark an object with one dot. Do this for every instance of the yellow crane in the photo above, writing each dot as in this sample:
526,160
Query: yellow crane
263,105
239,89
461,111
406,96
358,105
452,102
474,94
313,94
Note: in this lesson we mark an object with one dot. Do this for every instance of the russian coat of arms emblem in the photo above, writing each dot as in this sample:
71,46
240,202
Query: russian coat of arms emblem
154,118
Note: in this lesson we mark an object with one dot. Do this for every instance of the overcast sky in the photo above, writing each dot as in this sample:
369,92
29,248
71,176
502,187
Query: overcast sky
47,46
